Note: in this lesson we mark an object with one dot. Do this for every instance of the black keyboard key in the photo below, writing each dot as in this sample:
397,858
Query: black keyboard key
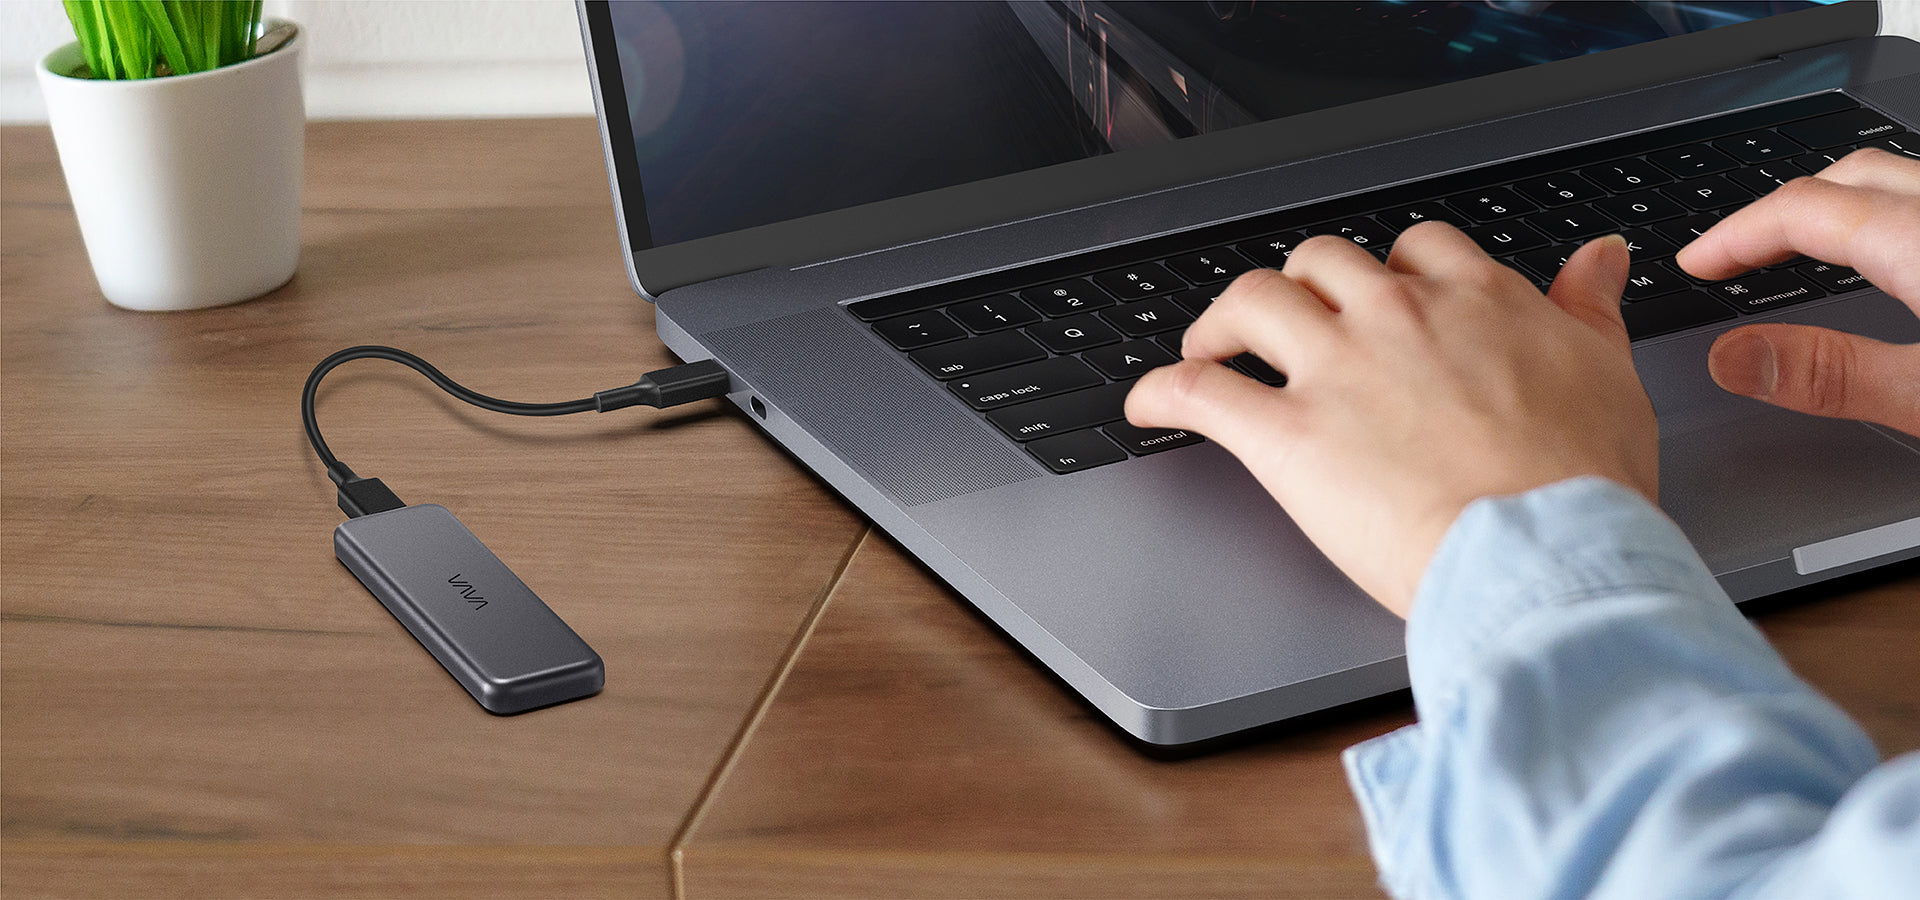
1837,279
1643,243
1571,224
1196,300
1063,413
1624,175
1691,161
1257,369
1762,291
1129,360
993,313
1491,204
1850,127
1065,453
1064,298
1029,382
1401,218
1763,179
1682,231
1271,251
1364,232
1147,317
1209,266
1902,144
1640,207
1559,190
919,329
1674,312
1506,238
1142,441
1710,192
1174,341
1139,280
1820,159
1545,263
1073,334
980,354
1758,147
1646,280
893,305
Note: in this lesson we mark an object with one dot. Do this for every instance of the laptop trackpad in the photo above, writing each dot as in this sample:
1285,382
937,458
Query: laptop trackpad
1753,488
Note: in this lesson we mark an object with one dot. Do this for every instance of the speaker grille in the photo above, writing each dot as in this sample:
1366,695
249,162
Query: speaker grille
870,406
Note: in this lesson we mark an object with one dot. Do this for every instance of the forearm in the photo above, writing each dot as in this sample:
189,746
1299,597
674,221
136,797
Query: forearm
1596,717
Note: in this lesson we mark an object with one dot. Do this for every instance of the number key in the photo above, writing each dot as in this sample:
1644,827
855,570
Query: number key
1272,251
1554,190
1621,176
1066,297
993,313
1209,266
1491,205
1360,231
1139,280
1405,217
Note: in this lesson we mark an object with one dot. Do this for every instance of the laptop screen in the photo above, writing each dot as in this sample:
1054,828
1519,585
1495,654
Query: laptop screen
750,113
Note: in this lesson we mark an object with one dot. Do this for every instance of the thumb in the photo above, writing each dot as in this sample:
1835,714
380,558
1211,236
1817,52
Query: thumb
1589,285
1822,372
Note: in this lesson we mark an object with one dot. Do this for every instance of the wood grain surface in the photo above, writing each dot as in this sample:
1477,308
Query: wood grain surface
912,751
197,700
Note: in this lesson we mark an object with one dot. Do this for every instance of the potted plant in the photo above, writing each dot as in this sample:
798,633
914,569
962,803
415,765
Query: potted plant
181,130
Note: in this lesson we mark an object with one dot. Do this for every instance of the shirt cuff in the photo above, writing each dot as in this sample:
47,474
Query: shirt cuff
1506,557
1503,559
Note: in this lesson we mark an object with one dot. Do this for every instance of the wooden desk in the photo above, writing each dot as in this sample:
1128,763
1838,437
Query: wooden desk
196,699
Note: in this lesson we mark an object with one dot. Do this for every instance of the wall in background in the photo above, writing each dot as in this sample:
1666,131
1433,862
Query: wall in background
376,58
425,58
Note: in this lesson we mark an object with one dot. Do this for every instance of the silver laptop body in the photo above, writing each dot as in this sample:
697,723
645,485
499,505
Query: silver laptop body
1169,590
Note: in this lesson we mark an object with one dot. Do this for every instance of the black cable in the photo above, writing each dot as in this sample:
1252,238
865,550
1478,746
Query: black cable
359,496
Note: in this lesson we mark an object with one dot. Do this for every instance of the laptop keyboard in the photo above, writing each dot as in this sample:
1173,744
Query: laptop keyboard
1048,352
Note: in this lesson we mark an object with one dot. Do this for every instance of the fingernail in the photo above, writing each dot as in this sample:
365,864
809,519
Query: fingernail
1744,364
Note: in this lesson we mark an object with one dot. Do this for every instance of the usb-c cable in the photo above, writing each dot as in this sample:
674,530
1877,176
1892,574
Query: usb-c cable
490,631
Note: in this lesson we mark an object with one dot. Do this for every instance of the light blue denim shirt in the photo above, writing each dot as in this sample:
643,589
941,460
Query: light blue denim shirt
1597,719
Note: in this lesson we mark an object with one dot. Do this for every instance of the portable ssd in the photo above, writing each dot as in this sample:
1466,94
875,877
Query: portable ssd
492,633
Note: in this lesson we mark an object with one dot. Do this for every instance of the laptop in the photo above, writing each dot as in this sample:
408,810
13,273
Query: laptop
935,243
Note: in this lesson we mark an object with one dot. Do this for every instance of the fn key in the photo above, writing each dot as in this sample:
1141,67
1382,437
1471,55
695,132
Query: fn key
1076,450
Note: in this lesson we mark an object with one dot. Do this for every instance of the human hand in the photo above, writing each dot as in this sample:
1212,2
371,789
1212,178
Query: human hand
1413,388
1863,212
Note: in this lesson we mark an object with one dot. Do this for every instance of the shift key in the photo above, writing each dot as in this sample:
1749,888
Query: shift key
1064,413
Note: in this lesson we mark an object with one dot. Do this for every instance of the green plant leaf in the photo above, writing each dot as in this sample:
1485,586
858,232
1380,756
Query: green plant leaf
133,40
145,38
168,35
80,13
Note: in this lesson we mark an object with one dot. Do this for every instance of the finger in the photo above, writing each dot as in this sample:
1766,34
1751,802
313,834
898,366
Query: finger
1339,271
1264,312
1207,397
1876,169
1436,249
1873,231
1589,286
1822,372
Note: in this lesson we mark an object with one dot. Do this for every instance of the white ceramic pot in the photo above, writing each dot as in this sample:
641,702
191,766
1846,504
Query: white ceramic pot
187,187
